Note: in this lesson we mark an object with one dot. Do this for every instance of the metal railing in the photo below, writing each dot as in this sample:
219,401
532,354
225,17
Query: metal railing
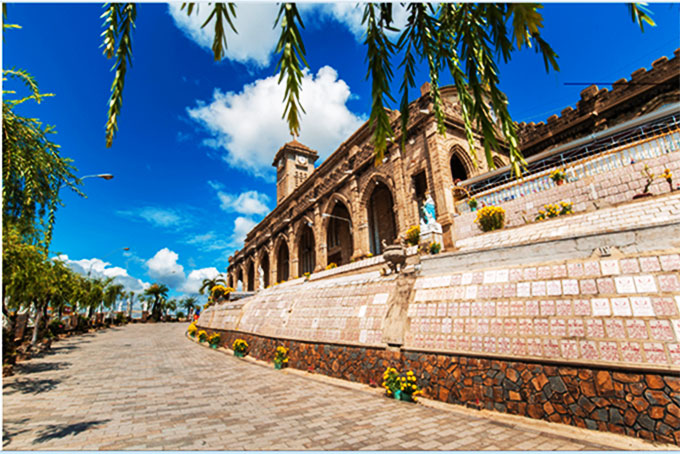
594,157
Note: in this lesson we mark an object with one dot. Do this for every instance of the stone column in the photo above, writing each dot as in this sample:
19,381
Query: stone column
319,239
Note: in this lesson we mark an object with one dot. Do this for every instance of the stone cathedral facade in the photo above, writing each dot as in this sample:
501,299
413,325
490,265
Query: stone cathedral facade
346,207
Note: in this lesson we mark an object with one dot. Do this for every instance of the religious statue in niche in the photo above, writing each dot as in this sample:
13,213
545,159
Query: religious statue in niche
430,229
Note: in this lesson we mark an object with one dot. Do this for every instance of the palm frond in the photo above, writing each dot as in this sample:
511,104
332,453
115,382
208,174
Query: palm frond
640,14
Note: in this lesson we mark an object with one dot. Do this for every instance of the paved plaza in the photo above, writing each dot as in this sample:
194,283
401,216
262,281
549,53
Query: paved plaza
147,387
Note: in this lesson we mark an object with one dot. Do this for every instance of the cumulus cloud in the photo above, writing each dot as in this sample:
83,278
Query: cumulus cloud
158,217
195,279
95,267
248,202
247,126
163,267
242,226
256,39
350,14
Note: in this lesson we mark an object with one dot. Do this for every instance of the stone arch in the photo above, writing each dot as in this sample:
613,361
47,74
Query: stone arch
339,230
382,223
460,163
239,278
282,259
250,282
265,266
306,245
330,204
498,161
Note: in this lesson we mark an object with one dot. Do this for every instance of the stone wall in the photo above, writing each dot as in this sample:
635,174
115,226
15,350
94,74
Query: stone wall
608,399
601,181
578,335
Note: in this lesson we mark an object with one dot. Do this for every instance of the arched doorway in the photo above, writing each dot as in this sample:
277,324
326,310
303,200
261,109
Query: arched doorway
282,265
306,254
339,235
251,277
263,271
458,171
239,280
231,280
381,224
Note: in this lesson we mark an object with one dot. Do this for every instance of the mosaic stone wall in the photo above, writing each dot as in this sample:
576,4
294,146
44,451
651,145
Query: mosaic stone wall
618,311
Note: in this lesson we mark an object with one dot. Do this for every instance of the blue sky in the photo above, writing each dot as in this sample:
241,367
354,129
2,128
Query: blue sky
192,158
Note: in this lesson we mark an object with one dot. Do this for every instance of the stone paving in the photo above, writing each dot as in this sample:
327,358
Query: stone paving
147,387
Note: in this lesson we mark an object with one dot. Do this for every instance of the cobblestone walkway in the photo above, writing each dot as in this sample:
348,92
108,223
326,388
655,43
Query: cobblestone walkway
146,387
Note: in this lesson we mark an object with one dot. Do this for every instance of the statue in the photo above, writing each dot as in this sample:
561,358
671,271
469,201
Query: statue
260,277
429,216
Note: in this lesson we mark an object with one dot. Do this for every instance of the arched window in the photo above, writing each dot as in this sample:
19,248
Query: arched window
381,224
306,252
264,269
458,171
282,266
498,162
339,235
251,277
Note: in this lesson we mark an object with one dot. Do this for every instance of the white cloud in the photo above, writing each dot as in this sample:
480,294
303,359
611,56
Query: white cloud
163,267
242,226
248,202
207,242
350,14
249,128
195,279
159,217
95,267
256,39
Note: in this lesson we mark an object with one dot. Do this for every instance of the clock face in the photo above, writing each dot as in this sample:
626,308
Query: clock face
301,160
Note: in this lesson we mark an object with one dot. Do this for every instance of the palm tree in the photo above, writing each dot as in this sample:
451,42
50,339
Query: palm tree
112,294
210,283
189,303
156,291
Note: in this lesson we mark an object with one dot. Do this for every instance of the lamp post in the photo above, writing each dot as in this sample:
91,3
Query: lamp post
105,176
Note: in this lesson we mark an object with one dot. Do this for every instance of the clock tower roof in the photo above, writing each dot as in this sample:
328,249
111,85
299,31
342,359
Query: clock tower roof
297,148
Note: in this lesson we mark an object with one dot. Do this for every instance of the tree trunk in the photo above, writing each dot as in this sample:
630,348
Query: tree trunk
36,323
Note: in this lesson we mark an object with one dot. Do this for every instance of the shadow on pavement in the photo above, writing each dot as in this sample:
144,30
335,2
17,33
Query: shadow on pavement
30,386
8,433
56,431
32,368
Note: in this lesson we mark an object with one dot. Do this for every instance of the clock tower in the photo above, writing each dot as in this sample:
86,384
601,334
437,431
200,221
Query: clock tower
294,162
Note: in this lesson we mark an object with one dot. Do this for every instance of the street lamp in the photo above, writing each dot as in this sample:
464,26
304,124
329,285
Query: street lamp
105,176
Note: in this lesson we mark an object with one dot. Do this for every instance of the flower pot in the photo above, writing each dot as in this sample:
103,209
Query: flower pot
213,346
278,365
239,354
406,397
559,182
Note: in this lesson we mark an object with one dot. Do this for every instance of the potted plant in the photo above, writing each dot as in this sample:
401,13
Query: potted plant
434,248
413,235
240,348
390,381
490,218
280,357
558,176
202,336
214,340
472,203
192,330
401,387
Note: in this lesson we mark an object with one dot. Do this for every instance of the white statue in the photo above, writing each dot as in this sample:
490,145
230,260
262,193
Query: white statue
429,216
260,277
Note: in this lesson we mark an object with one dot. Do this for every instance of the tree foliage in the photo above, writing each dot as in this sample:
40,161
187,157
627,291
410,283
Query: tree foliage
467,39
